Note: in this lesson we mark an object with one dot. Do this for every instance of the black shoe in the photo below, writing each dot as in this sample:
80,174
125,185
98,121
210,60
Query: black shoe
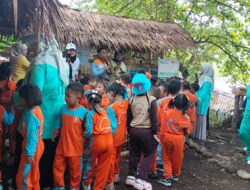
153,175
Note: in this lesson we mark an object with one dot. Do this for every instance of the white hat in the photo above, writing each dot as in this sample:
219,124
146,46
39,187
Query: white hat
71,46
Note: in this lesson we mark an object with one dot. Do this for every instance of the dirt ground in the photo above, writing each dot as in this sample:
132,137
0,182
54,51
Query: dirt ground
198,174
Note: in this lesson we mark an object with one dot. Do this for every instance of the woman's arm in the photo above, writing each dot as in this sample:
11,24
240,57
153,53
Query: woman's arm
204,91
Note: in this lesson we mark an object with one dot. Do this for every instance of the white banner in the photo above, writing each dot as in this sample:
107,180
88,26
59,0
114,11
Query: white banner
168,68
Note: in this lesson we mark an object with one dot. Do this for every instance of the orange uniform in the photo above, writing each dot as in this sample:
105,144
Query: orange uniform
192,110
105,102
84,102
28,175
70,146
7,90
162,109
117,113
174,123
98,126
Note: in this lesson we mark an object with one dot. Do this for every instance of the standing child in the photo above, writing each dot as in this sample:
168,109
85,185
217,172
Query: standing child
70,146
175,124
28,175
192,104
142,128
6,119
125,80
173,88
117,113
7,86
98,127
101,88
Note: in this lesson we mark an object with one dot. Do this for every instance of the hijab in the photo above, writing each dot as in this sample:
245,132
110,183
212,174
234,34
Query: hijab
51,54
208,75
17,50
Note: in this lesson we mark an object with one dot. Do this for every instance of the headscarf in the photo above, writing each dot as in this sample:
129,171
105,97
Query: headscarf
208,75
18,49
51,54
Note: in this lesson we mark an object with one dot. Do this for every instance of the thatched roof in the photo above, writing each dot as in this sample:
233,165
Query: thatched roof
92,29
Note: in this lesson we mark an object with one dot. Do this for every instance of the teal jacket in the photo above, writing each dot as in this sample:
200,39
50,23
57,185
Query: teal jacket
204,95
47,78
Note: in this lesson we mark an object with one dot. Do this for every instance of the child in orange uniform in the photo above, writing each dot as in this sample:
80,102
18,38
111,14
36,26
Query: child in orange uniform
6,119
175,124
98,126
173,88
101,88
7,86
28,175
70,146
192,104
117,113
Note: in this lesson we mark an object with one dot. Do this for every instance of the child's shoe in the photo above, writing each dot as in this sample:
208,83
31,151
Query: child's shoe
160,167
110,186
165,182
153,175
175,178
117,178
142,185
86,187
130,181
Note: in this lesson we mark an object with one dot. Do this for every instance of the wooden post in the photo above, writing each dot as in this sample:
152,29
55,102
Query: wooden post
235,117
239,94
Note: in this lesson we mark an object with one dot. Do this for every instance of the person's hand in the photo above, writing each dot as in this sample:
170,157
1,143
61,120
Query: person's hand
29,159
156,138
55,135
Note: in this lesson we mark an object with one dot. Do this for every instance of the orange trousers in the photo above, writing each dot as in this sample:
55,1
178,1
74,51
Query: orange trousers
172,154
28,175
75,170
102,153
115,164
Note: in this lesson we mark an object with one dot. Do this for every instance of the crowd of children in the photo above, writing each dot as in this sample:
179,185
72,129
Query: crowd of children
154,116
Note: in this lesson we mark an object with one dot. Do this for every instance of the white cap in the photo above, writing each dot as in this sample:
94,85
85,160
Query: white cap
71,46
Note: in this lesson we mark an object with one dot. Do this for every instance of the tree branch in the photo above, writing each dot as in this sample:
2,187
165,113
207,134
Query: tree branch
124,7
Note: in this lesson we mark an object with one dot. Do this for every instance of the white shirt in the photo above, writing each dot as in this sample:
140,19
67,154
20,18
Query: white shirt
75,68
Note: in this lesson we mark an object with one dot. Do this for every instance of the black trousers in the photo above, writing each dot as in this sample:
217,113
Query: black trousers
17,157
46,164
143,143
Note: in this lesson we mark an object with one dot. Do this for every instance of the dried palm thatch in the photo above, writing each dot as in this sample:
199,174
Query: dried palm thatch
50,18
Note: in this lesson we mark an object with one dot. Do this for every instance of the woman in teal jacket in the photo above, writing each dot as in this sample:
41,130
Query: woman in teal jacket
51,74
245,126
206,83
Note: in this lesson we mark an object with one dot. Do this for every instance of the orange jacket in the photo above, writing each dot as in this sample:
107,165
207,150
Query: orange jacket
174,122
119,110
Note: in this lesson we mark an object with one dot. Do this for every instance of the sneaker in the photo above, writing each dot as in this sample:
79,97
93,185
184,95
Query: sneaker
110,186
117,178
165,182
248,159
86,187
130,181
142,185
153,175
175,178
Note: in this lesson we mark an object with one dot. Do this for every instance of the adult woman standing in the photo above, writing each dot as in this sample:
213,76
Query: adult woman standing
20,62
206,83
51,75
